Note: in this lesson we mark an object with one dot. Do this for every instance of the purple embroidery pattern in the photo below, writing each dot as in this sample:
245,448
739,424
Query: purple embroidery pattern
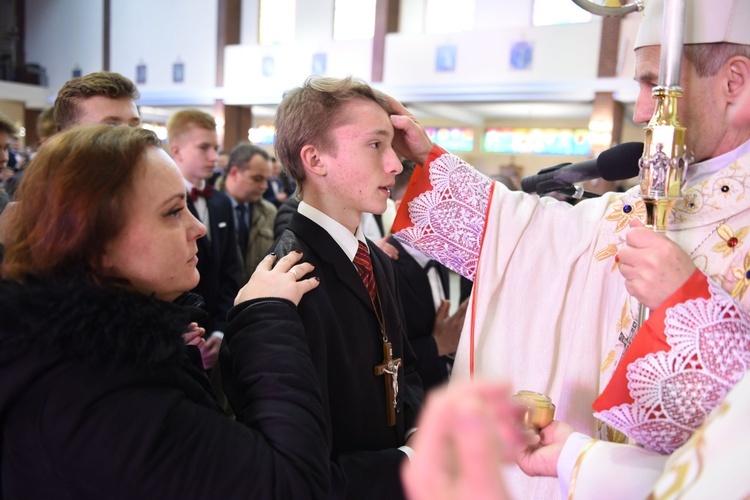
449,220
674,391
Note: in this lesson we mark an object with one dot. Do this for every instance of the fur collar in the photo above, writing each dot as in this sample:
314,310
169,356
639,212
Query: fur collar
92,324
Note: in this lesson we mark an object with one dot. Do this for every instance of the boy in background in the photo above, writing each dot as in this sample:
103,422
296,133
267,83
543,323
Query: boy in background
193,144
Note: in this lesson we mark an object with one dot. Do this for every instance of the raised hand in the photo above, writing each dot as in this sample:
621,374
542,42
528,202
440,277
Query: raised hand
411,139
447,329
466,430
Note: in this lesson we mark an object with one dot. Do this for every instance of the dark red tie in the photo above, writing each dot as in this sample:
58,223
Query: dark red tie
205,192
364,267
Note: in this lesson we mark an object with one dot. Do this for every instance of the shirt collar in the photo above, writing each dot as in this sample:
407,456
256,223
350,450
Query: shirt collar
418,256
698,172
189,185
347,241
236,203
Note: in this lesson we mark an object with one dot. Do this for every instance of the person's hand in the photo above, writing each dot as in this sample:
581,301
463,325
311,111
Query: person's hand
387,248
210,351
465,431
284,281
194,335
411,140
540,459
653,266
447,329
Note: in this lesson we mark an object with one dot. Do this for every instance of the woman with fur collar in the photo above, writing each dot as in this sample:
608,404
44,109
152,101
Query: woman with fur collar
101,394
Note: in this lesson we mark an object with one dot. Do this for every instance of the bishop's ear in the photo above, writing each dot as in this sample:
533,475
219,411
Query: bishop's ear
738,76
312,160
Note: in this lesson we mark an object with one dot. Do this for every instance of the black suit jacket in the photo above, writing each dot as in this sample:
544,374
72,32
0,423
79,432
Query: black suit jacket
284,215
419,307
346,345
218,262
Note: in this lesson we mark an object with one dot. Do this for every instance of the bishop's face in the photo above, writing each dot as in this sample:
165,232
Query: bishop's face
741,111
702,109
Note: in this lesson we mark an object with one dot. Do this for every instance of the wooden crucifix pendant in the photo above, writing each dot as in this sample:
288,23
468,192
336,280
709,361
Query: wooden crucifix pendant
389,369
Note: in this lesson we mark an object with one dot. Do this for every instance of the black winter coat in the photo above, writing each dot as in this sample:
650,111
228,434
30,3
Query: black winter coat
99,400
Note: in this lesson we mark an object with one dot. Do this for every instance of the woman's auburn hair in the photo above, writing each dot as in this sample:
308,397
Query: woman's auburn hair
72,201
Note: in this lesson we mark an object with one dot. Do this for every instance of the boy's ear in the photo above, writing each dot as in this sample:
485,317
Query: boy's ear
312,160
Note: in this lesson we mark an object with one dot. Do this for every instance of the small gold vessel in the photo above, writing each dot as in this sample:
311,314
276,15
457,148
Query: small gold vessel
539,411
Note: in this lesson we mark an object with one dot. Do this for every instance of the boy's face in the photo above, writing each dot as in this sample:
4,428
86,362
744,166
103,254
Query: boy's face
362,165
196,152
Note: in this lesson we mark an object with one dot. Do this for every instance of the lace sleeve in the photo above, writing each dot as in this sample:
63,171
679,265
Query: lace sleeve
673,391
447,214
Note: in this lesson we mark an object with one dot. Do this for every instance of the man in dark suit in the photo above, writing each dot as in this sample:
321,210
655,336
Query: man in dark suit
342,159
284,216
193,144
247,173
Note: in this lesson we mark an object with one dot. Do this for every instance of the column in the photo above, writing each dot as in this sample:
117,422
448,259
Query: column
386,21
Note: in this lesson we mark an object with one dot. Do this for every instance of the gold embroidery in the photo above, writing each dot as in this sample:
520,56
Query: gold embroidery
577,468
625,319
678,473
691,202
741,274
624,324
711,194
608,361
615,436
623,219
730,239
606,252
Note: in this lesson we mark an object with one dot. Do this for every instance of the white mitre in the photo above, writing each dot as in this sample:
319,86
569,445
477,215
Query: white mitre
706,21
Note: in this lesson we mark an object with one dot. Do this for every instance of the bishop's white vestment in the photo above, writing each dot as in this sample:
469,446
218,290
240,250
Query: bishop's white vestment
549,311
709,465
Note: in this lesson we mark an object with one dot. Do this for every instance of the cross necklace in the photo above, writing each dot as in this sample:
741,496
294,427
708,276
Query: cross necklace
389,367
